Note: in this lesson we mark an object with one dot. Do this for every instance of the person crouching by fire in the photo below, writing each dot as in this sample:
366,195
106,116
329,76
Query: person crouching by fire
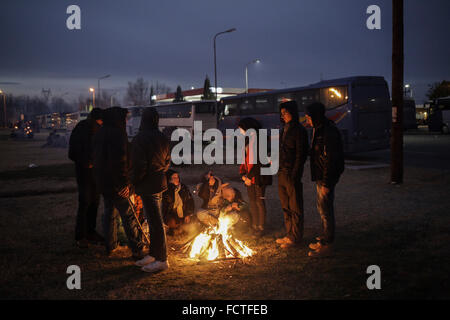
111,171
210,191
81,152
234,208
327,165
178,204
150,159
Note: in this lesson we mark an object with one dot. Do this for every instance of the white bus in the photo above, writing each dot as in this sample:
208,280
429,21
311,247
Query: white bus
183,114
175,115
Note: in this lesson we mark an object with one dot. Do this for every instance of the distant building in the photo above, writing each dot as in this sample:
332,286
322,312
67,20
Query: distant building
196,94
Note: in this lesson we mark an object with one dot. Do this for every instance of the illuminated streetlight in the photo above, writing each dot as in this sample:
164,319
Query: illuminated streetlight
246,73
93,96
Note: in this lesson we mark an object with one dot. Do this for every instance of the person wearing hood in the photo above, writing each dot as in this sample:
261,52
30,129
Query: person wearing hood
81,153
150,159
111,170
327,165
292,154
178,204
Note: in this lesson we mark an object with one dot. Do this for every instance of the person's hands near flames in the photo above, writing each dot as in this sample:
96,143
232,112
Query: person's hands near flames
247,181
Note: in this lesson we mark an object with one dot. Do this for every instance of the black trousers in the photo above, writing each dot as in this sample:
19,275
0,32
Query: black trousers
129,222
325,207
291,198
257,205
153,212
88,201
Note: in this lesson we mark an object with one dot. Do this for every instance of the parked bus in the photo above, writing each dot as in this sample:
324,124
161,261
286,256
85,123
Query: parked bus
183,115
360,107
73,118
439,115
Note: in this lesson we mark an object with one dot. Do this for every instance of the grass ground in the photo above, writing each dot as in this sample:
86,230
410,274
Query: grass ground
403,229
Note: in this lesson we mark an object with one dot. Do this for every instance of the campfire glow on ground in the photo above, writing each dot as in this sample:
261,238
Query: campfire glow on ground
218,243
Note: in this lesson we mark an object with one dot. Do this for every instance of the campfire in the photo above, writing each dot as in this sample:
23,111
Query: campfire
216,243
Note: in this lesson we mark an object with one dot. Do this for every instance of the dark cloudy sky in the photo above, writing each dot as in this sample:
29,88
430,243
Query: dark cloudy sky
170,41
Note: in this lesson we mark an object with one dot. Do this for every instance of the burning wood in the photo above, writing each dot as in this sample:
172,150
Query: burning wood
217,242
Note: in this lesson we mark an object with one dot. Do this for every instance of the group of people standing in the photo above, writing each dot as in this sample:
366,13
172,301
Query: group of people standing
327,164
107,164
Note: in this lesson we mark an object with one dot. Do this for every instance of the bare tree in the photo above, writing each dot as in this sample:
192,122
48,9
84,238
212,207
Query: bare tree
138,92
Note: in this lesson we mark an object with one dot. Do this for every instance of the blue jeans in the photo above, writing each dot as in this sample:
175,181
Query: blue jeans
129,222
153,212
325,206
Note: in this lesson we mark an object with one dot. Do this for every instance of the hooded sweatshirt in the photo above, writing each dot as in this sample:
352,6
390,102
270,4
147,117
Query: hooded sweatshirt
150,156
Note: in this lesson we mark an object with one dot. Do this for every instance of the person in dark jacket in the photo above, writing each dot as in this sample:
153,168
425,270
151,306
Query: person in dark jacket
150,162
250,172
178,204
327,165
292,154
81,152
111,171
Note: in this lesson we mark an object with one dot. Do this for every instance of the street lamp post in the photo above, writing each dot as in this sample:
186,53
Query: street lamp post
215,64
4,108
246,73
98,87
93,96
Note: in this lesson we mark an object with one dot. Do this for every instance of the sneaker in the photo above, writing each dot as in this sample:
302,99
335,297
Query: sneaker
139,255
118,252
145,261
315,246
156,266
322,251
283,240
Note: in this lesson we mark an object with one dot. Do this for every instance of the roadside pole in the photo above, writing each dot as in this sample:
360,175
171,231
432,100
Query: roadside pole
397,93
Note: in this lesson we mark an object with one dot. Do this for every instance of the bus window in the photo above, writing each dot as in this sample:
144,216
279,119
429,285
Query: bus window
264,105
204,108
177,111
370,97
285,97
231,109
246,107
305,98
333,97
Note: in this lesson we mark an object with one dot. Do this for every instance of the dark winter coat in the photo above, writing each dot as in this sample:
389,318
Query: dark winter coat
111,167
294,148
169,200
81,142
327,154
150,156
